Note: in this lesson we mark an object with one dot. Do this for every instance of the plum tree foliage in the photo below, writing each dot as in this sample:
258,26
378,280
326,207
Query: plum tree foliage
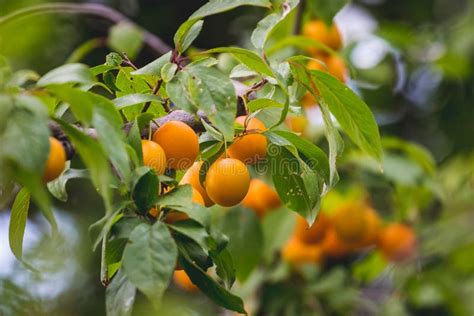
105,117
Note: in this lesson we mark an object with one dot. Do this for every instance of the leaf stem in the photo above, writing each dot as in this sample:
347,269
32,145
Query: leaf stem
128,62
155,91
104,270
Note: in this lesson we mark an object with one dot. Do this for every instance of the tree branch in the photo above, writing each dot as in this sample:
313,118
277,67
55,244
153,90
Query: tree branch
95,9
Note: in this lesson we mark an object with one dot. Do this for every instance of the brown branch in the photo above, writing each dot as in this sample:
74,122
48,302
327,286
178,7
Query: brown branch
127,62
95,9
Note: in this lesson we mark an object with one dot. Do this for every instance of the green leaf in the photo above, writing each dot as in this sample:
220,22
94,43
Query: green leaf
204,61
224,266
113,255
209,159
101,228
21,77
18,216
168,71
113,59
370,268
100,69
351,112
39,194
211,151
130,84
207,89
5,71
179,199
120,296
123,227
192,230
247,57
294,181
186,34
336,144
263,103
298,41
218,6
57,187
134,135
24,133
112,138
312,155
135,98
211,288
101,112
212,131
127,38
24,137
326,9
94,158
145,190
149,259
245,240
414,151
69,73
277,226
154,68
241,71
190,249
265,27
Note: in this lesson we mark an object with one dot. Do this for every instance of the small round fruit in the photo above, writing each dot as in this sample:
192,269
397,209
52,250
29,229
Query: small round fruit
334,37
182,280
180,143
175,216
56,161
308,100
337,67
261,198
372,231
349,222
227,181
328,35
297,253
192,177
397,242
332,246
153,156
317,30
252,146
313,234
297,124
154,212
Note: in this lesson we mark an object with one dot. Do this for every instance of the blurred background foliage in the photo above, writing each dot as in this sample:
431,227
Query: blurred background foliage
412,61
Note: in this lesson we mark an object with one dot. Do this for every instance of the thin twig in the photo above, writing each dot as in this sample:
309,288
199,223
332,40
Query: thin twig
154,92
102,11
127,62
255,87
